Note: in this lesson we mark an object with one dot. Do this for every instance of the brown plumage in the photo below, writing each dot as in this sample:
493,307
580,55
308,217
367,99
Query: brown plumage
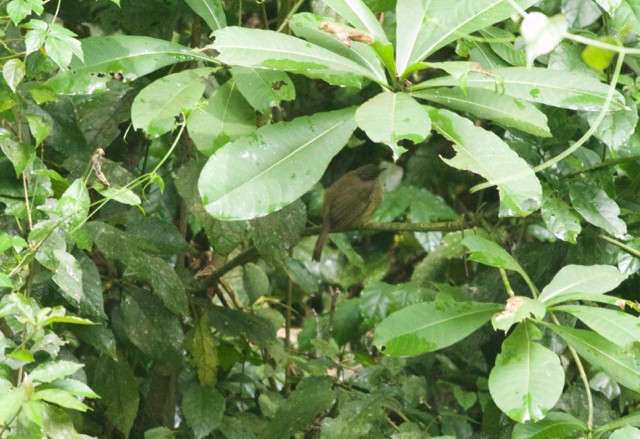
349,203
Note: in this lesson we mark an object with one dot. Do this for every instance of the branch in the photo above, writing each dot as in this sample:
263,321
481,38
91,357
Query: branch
251,253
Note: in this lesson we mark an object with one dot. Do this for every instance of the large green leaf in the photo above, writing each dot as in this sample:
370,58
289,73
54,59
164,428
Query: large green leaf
619,363
307,26
156,107
429,326
572,90
595,206
203,406
271,50
556,424
118,56
410,15
489,253
211,11
118,387
312,396
444,22
115,244
260,174
486,104
616,326
150,326
560,219
484,153
263,89
390,117
528,379
593,279
616,128
223,116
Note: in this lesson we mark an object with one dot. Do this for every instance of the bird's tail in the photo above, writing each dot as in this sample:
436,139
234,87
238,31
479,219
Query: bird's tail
322,239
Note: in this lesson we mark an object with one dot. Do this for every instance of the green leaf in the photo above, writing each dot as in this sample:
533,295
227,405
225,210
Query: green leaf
252,177
39,127
155,108
151,327
92,303
528,379
271,50
312,397
361,417
429,326
20,155
54,370
489,253
633,420
379,299
307,26
203,406
618,327
13,73
99,337
165,282
61,46
560,219
18,10
157,237
73,205
504,49
610,6
616,128
484,153
24,355
410,16
108,56
11,401
263,89
555,424
391,117
626,18
5,281
619,363
222,117
119,194
211,11
61,398
254,328
542,34
118,387
71,386
204,353
485,104
68,276
37,35
627,432
594,279
453,21
597,208
254,281
572,90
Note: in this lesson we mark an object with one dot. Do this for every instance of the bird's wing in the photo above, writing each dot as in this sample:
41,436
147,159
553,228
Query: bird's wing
348,207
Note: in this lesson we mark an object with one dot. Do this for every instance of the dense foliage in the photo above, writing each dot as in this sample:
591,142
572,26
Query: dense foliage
161,184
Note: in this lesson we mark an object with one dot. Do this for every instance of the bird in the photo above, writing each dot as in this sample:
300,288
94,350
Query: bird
349,203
